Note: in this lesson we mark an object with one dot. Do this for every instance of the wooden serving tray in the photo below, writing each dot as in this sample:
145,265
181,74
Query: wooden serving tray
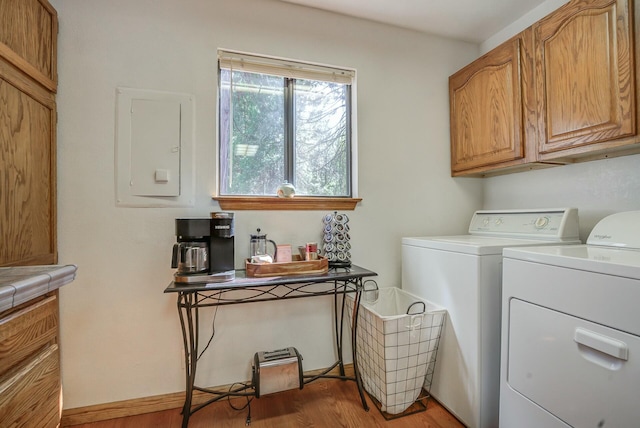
295,267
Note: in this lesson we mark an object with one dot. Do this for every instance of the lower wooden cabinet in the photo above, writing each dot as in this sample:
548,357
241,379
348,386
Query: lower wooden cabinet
30,390
31,397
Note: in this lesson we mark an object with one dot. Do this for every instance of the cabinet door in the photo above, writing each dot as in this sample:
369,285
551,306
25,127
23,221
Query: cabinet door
28,38
30,389
490,108
27,329
585,88
31,396
27,170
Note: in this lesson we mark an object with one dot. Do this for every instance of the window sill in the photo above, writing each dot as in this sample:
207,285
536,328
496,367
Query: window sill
298,203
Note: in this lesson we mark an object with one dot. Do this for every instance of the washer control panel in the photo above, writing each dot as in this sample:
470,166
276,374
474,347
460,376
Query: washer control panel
557,224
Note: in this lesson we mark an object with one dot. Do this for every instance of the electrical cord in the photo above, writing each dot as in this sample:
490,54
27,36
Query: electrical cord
246,406
213,330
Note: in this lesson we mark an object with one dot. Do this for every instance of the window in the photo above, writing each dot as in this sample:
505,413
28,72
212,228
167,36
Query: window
284,121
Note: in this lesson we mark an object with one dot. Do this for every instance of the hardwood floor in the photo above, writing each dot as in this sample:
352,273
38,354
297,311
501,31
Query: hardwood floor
325,404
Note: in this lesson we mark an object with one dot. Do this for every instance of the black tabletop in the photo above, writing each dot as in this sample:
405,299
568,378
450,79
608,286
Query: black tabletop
242,281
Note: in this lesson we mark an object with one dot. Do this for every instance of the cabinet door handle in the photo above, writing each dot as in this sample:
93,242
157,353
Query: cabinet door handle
604,344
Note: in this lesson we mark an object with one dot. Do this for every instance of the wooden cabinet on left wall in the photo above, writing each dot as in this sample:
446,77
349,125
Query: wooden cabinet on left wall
30,392
28,81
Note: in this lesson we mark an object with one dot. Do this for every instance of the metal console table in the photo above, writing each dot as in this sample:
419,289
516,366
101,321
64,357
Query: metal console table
192,297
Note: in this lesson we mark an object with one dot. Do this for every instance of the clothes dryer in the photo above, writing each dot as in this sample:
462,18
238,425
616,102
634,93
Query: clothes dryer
464,274
571,331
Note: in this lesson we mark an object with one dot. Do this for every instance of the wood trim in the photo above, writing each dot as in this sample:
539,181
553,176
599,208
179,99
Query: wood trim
605,149
55,29
156,403
38,259
12,74
125,408
53,186
29,69
506,168
298,203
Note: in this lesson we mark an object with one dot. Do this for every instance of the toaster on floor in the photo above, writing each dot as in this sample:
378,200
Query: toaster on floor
275,371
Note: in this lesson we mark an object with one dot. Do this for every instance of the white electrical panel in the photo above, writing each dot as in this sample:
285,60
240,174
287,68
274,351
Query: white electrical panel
154,148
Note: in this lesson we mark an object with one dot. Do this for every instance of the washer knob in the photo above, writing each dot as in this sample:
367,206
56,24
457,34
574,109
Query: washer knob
541,222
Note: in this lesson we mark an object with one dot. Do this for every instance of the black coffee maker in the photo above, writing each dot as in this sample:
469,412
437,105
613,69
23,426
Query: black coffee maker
205,249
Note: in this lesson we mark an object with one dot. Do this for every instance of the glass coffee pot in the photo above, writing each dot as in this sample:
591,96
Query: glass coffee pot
190,257
258,246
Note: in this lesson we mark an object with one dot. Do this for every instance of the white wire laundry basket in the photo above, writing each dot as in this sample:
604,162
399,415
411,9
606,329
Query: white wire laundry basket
397,342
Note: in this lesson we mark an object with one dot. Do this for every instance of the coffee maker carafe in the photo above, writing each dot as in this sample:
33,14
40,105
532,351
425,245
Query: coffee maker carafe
191,257
204,251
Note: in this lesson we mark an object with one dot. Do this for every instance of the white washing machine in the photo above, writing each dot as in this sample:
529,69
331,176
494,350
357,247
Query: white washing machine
571,331
463,274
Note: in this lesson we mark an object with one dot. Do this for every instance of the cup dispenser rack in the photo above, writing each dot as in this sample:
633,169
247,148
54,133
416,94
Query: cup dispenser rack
336,247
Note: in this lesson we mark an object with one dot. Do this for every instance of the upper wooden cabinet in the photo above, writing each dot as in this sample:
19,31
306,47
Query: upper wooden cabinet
28,37
563,91
28,32
491,109
584,77
27,171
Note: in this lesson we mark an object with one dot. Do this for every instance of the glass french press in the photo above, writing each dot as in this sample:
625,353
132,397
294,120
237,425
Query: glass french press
258,246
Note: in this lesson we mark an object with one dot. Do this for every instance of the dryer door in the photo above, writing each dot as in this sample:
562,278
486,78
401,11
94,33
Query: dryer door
584,373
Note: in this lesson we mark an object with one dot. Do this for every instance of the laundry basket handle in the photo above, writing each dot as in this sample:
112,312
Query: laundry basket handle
371,295
424,308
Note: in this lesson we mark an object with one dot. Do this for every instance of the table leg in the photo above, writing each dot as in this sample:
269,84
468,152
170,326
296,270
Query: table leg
354,343
186,310
339,322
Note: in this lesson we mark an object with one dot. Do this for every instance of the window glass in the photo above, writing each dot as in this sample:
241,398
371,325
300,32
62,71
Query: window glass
321,144
283,122
252,155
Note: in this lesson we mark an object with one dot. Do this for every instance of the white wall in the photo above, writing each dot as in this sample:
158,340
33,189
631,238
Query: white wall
120,335
596,188
520,24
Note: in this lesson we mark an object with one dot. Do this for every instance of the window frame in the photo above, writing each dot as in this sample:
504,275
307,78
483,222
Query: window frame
263,202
